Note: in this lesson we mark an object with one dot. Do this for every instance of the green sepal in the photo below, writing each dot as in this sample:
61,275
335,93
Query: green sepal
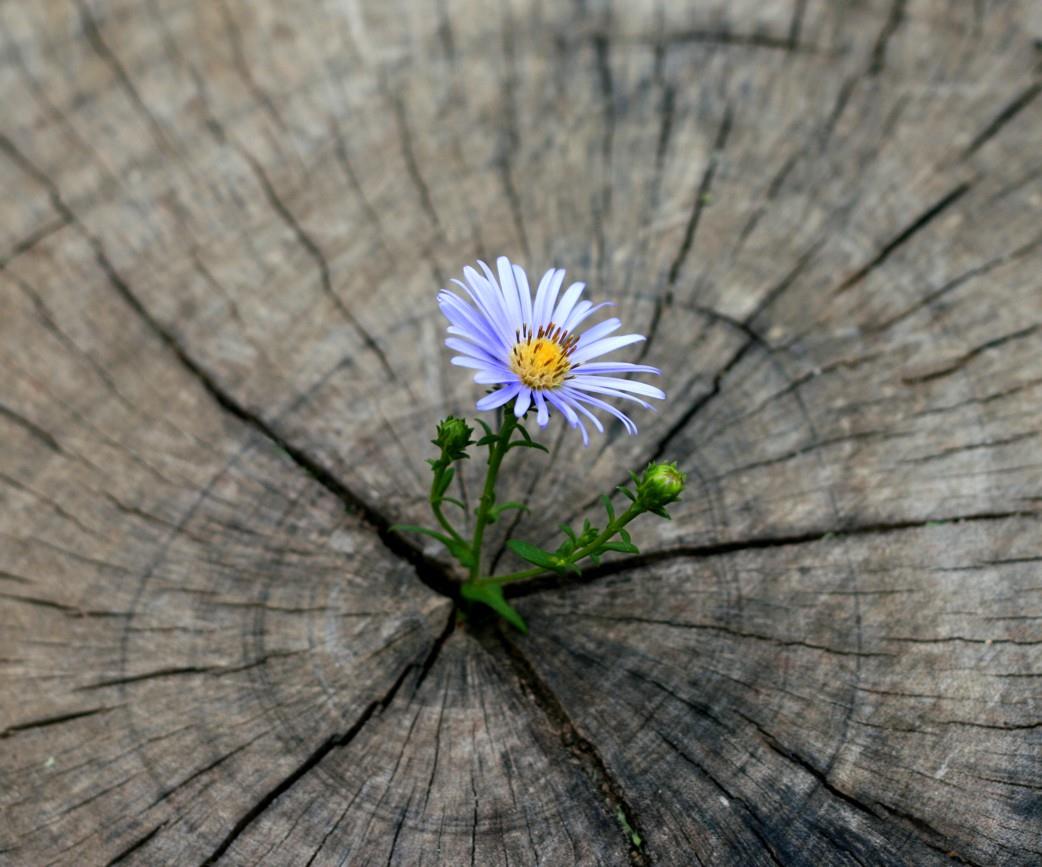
492,596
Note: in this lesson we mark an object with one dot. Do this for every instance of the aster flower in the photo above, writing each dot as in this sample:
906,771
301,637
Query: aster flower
532,351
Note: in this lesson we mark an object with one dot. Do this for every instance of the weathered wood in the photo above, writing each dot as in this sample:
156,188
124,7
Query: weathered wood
223,228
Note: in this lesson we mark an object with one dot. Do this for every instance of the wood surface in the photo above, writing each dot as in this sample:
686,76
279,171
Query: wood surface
223,226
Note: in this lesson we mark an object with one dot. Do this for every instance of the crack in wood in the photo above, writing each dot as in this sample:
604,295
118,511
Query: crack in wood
333,742
919,223
1015,107
313,250
45,722
583,751
716,549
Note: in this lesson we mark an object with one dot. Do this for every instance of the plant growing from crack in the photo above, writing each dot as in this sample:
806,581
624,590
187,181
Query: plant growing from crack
530,350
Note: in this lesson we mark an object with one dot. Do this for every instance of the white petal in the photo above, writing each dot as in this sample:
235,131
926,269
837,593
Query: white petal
627,422
467,348
509,289
601,329
490,376
469,361
617,367
542,414
610,392
564,307
489,303
524,401
620,384
545,296
523,293
583,311
600,347
498,397
576,404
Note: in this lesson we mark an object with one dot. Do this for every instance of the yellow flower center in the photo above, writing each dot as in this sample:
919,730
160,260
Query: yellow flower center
541,359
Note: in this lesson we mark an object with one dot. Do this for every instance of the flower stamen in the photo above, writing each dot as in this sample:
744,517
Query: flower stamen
541,360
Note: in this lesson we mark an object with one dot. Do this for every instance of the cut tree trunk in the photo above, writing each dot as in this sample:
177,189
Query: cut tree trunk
224,223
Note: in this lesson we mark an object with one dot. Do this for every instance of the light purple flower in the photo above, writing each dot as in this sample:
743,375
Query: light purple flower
532,351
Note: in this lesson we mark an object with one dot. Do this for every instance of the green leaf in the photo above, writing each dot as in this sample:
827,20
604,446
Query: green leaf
454,502
534,554
606,502
569,532
625,535
528,444
492,596
496,511
627,492
624,547
537,556
426,531
461,551
488,440
484,427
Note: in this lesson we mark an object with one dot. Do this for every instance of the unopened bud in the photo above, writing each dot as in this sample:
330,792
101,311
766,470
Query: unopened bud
453,438
660,485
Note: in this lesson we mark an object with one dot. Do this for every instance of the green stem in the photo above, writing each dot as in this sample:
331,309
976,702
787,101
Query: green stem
445,523
488,495
613,527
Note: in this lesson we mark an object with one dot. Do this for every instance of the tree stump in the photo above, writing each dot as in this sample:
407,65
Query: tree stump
224,225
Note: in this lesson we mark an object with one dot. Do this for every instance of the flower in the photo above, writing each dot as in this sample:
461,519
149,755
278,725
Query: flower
532,351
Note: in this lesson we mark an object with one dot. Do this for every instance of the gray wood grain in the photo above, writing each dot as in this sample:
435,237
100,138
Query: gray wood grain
223,228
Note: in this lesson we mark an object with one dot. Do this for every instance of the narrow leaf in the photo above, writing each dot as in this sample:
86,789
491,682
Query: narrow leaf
528,444
624,547
492,596
606,502
485,427
426,531
496,511
534,554
461,551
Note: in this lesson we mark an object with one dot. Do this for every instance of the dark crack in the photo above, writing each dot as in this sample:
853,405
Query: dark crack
333,742
581,749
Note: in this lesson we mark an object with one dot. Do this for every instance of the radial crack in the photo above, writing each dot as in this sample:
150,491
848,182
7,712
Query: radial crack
331,743
582,750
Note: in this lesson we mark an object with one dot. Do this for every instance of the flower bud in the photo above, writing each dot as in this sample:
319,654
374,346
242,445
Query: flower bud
453,438
660,485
